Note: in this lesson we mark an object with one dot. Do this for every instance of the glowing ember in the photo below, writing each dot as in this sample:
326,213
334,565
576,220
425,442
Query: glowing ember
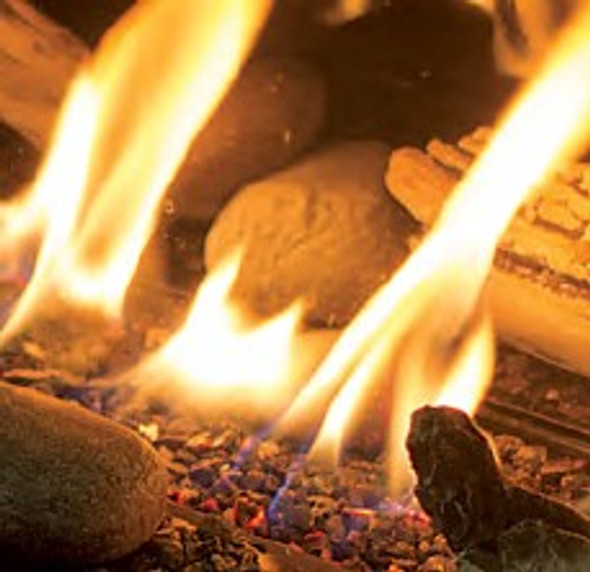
128,122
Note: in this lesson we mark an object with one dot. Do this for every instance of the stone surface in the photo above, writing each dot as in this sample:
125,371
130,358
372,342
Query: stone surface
324,230
272,113
75,488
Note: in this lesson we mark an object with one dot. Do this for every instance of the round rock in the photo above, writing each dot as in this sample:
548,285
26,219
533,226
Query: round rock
272,113
75,488
324,230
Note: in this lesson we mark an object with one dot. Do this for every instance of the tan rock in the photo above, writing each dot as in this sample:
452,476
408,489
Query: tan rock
75,488
324,230
270,116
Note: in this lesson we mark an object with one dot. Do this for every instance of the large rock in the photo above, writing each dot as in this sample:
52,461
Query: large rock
271,114
324,230
75,488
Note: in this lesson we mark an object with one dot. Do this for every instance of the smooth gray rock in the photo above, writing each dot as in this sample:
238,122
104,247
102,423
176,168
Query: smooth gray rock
75,488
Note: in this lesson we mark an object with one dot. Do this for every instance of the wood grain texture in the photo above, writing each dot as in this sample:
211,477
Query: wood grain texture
37,60
539,288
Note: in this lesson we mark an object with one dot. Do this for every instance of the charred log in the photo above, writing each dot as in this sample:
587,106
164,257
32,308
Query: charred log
490,521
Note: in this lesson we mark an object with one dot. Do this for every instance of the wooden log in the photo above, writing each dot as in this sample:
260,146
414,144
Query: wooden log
539,288
496,526
37,60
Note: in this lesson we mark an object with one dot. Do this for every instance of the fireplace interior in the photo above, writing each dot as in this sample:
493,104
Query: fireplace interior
327,161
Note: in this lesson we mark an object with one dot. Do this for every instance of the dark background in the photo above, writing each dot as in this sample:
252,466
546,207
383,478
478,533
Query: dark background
88,19
404,74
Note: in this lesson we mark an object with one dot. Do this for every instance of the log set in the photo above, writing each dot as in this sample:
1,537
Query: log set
540,276
37,61
494,525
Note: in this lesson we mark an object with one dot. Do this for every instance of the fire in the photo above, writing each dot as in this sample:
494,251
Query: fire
221,355
426,328
128,121
226,360
425,335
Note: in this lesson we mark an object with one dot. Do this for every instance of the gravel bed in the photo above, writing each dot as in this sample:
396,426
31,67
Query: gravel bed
265,490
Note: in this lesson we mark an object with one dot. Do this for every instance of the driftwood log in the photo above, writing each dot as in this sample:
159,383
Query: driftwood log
539,288
37,60
494,525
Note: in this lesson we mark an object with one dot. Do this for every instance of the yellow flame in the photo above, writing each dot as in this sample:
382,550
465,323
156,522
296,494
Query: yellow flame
329,441
228,362
427,306
471,371
425,333
51,206
218,350
342,11
486,5
154,81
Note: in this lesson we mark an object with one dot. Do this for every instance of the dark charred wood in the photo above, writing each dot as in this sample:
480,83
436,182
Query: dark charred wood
522,504
19,159
531,545
497,526
90,23
459,482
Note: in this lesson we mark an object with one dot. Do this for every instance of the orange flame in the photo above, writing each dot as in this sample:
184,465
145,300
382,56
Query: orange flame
220,357
129,120
256,359
432,300
426,332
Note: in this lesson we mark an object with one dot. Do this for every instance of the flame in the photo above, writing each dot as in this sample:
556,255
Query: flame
220,355
486,5
127,123
218,350
342,11
426,329
425,335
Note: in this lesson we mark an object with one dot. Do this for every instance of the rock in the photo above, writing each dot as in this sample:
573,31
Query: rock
75,488
324,230
411,69
271,114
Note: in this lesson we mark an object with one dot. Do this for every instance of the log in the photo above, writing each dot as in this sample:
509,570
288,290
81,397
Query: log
493,524
37,60
539,288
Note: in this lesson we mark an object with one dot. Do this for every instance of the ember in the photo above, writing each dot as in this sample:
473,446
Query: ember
332,305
